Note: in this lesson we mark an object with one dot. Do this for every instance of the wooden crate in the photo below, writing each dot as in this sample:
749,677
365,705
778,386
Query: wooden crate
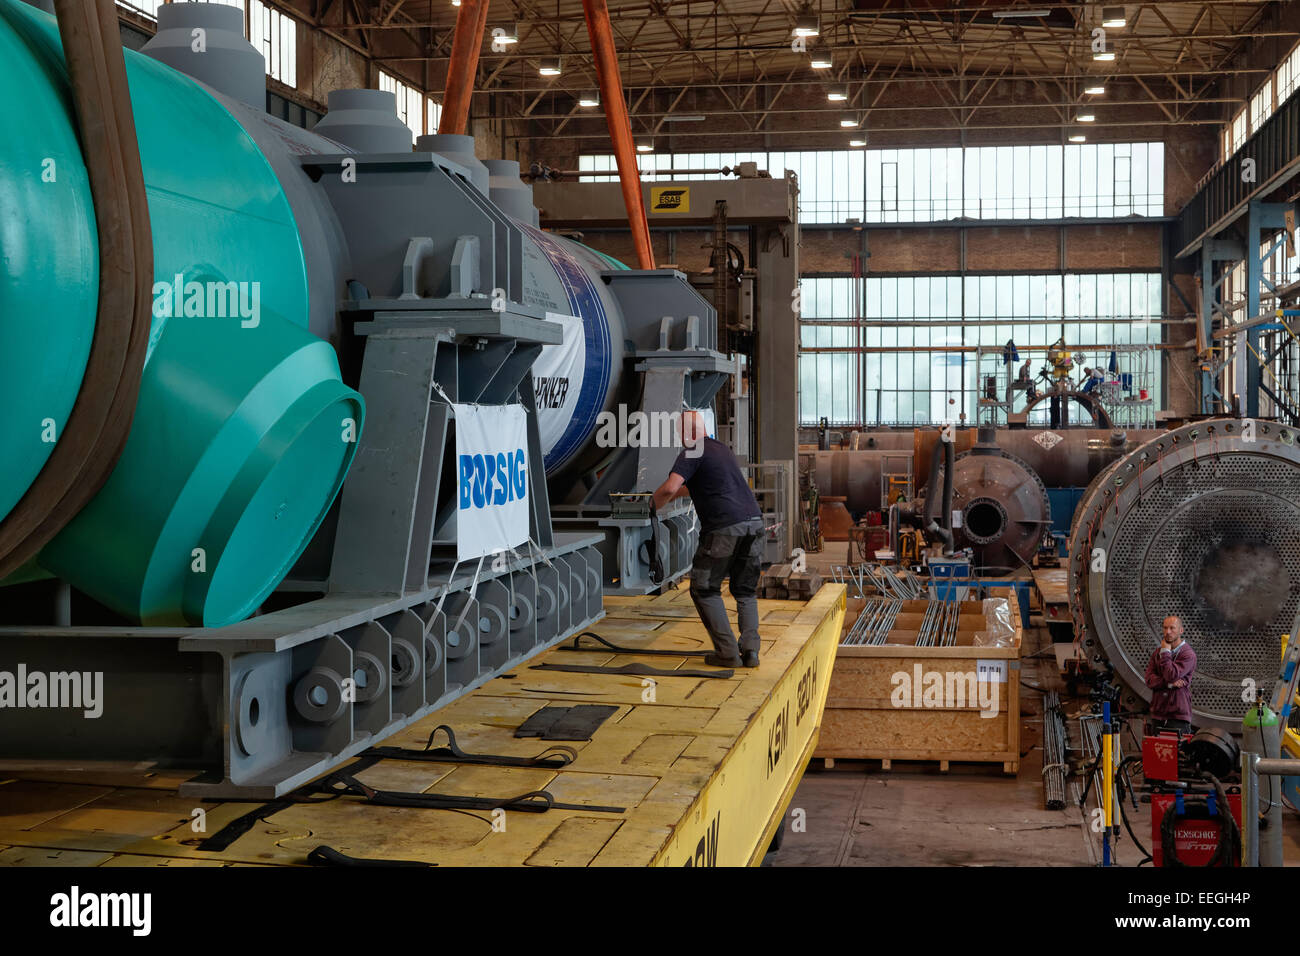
870,713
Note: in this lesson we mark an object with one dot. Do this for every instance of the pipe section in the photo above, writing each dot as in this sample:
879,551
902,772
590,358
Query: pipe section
471,21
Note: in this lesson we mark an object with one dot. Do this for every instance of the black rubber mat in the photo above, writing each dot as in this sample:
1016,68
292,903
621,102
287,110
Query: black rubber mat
566,723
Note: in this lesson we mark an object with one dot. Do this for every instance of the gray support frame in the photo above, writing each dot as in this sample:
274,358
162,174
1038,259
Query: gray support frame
385,528
263,706
676,334
777,332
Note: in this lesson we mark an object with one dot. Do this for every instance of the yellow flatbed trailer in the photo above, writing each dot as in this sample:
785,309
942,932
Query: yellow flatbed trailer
704,768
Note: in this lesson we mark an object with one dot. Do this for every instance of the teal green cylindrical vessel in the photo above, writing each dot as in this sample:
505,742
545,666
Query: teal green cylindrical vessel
243,431
49,267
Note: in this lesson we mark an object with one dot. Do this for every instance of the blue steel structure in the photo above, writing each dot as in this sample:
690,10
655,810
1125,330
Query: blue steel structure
1239,216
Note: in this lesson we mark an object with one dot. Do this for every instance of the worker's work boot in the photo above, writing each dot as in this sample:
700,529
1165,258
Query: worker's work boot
717,660
749,659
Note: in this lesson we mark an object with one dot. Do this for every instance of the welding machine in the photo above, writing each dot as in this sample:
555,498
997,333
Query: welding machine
1195,793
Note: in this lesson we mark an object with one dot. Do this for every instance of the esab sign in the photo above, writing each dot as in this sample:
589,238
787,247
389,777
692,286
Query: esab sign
670,198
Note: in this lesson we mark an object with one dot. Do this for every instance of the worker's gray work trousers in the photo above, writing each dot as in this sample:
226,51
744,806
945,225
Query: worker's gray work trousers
724,554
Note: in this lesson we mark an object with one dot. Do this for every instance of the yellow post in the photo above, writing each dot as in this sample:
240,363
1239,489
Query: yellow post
1107,778
1116,755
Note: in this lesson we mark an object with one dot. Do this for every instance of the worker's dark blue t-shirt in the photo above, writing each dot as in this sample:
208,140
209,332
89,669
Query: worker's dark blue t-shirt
717,486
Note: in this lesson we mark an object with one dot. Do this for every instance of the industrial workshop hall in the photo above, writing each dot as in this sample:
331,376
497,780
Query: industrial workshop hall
450,438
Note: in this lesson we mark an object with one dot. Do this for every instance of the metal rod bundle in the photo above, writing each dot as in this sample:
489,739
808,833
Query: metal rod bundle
874,623
1090,746
938,624
854,577
864,578
907,586
925,634
950,623
1054,744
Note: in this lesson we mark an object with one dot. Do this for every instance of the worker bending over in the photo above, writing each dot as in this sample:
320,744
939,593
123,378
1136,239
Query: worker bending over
1169,675
731,545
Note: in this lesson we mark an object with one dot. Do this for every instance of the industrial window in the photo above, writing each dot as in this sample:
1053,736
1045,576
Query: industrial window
274,36
411,108
1280,271
147,7
1280,281
889,187
420,112
1239,130
906,355
1261,105
1270,95
1288,75
933,185
1123,178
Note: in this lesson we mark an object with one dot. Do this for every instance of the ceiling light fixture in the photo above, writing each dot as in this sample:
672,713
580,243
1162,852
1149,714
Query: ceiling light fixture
550,66
1113,17
1010,14
1104,56
837,94
848,122
822,61
591,98
1078,138
508,34
857,142
807,25
1097,90
645,146
1085,118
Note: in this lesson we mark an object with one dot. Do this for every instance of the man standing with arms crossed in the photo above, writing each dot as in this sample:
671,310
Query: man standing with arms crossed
1169,675
731,540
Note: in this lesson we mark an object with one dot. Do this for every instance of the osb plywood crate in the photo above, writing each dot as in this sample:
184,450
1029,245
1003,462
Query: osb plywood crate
897,701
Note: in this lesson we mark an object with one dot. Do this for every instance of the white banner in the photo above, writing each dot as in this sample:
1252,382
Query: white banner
492,468
710,421
557,380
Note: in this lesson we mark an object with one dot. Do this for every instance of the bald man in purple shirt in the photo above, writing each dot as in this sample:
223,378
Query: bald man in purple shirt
1169,675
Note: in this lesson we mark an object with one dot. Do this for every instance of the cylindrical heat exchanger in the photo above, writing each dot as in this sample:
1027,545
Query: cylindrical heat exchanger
1203,523
1003,507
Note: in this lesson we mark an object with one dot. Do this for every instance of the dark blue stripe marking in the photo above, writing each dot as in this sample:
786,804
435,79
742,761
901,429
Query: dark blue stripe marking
585,303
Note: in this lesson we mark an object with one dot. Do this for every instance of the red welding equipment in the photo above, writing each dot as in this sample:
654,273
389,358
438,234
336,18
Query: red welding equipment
1193,782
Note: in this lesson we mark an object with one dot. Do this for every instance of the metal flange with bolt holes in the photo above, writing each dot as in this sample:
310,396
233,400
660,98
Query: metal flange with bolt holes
1204,523
1004,507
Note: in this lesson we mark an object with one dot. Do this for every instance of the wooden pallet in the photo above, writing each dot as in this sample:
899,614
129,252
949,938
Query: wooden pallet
944,762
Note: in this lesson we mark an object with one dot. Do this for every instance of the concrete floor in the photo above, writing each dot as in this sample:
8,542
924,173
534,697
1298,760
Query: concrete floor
974,815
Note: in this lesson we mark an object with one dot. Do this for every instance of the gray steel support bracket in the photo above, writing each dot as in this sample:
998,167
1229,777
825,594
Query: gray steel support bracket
400,194
266,705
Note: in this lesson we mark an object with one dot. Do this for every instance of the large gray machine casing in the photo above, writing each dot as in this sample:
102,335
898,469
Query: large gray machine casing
406,255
